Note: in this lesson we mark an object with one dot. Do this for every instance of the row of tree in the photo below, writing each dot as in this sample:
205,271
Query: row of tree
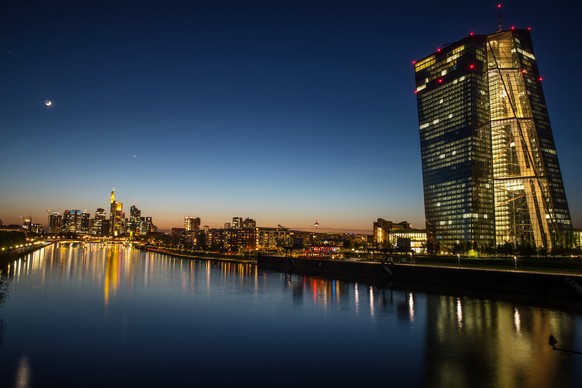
11,238
507,249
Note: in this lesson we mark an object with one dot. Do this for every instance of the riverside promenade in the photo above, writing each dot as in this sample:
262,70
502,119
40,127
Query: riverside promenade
201,255
542,282
557,279
7,256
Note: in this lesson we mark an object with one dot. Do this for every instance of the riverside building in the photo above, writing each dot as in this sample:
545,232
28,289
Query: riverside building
490,167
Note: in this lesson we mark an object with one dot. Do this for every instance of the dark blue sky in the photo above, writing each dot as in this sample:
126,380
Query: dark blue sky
282,111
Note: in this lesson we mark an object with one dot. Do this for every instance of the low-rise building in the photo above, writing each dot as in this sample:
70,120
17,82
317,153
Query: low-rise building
399,236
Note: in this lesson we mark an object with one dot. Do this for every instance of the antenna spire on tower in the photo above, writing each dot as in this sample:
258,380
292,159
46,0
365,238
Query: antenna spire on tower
499,17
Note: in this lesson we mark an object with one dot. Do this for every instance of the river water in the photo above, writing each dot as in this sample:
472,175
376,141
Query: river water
116,316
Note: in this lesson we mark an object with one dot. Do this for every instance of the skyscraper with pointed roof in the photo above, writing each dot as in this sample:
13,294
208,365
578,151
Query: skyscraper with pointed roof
116,215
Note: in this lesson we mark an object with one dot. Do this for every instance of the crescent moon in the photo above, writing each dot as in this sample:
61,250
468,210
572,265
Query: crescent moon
48,102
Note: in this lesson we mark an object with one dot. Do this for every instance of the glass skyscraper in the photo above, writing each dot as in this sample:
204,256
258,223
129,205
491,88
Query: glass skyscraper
490,168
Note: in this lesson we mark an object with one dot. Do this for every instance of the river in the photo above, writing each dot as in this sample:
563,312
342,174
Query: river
116,316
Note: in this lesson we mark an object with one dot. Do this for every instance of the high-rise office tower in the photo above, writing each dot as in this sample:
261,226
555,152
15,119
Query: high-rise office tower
72,221
85,217
115,215
55,223
134,224
191,223
237,222
249,223
98,229
489,162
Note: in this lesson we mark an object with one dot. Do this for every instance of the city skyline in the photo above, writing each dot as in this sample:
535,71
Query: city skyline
285,113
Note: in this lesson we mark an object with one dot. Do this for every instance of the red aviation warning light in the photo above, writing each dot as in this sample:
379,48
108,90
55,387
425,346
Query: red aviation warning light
440,80
540,78
471,66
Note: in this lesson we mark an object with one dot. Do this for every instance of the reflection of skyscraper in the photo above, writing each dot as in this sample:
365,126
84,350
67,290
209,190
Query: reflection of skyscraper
115,215
478,342
490,167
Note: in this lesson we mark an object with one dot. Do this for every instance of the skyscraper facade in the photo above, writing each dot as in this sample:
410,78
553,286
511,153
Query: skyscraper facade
98,221
489,162
55,222
191,223
115,215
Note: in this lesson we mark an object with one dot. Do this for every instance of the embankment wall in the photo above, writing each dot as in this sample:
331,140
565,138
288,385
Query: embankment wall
555,285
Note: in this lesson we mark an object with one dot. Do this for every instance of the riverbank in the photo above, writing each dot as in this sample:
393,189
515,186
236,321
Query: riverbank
522,282
10,255
202,255
533,278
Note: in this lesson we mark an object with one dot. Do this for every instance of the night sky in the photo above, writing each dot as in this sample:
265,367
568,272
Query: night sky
281,111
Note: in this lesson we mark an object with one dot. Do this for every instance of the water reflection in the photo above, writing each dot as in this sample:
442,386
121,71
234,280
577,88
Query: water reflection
119,267
197,316
22,379
3,297
475,340
468,342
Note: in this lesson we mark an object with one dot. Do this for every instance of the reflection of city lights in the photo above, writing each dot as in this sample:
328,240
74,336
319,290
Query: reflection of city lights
371,302
459,313
410,307
517,321
208,276
23,373
356,298
314,291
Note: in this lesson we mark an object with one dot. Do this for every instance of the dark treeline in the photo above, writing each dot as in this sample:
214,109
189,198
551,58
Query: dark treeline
11,238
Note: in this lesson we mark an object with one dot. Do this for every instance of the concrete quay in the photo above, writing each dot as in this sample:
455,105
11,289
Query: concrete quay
564,286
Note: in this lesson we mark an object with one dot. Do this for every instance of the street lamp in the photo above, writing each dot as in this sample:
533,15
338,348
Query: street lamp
515,261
